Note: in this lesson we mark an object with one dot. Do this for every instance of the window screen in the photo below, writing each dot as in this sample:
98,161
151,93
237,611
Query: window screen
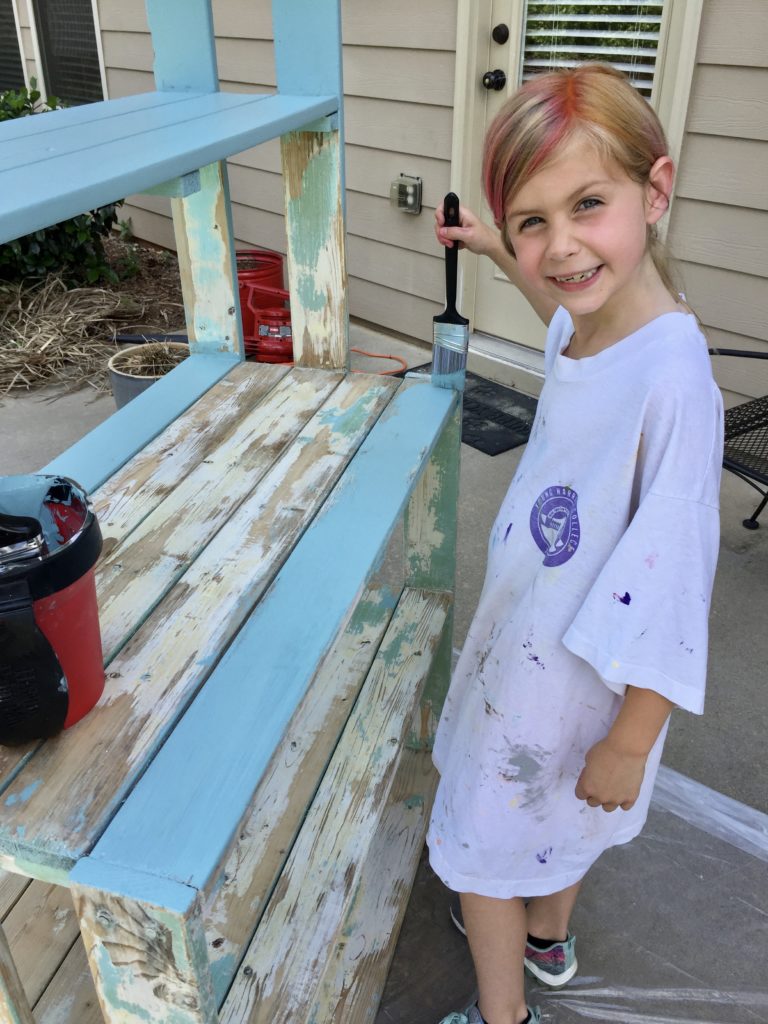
11,69
561,35
68,50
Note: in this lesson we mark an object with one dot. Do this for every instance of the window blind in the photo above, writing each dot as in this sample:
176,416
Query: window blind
68,50
11,68
561,35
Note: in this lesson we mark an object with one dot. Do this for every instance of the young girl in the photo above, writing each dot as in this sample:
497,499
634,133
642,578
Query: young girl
592,623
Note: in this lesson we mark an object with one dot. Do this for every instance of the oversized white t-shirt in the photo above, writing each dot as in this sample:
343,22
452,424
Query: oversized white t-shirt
600,570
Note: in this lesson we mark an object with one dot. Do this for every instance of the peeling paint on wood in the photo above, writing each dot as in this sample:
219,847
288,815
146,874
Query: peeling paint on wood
279,978
149,965
241,887
87,768
207,264
316,262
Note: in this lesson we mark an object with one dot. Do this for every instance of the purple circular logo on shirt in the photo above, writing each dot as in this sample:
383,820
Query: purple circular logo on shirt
555,524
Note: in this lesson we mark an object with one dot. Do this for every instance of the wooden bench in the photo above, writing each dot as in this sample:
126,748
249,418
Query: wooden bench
240,818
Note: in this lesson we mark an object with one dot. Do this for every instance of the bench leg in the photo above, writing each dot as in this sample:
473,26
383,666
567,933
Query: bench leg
149,962
14,1008
430,549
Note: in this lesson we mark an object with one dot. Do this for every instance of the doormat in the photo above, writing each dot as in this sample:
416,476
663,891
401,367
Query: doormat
496,418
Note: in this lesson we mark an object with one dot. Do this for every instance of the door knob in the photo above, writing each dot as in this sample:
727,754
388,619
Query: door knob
494,79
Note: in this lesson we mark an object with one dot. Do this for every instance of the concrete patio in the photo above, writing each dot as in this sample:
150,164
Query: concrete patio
672,928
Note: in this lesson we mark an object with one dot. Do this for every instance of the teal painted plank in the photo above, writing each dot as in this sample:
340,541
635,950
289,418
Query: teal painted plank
180,817
307,36
102,452
91,164
159,892
184,43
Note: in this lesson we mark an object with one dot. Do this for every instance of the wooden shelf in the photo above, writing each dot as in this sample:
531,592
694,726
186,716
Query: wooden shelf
55,166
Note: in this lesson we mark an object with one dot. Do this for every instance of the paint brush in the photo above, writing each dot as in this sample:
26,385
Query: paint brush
451,330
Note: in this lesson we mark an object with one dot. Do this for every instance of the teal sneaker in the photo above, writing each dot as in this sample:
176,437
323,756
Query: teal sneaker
472,1016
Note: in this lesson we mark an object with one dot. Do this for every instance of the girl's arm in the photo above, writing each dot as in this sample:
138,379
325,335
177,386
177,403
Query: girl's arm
482,240
614,767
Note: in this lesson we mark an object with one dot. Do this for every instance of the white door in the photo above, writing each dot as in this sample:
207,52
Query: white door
654,42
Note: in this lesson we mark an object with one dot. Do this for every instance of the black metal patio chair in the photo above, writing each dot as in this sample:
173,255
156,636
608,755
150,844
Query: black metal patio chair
746,439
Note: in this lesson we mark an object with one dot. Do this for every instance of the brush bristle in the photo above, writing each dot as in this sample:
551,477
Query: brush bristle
448,367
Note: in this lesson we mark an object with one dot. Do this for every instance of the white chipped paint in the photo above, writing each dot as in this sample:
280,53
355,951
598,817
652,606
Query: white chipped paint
175,648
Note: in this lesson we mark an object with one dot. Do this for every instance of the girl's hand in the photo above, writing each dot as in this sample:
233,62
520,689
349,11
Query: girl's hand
611,776
473,234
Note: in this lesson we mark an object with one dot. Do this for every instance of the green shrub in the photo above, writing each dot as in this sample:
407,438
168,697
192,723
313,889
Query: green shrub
73,248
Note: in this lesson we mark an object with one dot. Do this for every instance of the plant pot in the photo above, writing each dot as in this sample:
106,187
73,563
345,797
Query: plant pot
132,370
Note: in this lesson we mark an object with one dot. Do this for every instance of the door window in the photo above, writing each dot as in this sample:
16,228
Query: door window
617,32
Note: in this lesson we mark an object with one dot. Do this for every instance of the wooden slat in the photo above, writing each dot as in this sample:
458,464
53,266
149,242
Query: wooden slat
263,841
316,916
11,887
720,236
40,930
729,101
137,573
734,32
182,812
317,269
160,143
70,998
110,445
14,1007
137,489
719,170
87,769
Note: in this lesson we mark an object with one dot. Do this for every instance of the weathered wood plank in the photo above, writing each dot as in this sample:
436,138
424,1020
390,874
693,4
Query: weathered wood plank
11,887
14,1006
207,264
110,445
137,489
40,930
311,917
317,273
354,978
60,802
240,888
138,572
147,958
71,996
430,550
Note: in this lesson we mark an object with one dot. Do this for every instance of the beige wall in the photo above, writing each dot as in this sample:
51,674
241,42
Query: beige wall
398,76
719,222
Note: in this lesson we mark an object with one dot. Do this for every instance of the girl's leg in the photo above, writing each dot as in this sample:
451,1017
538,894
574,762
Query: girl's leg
496,930
548,916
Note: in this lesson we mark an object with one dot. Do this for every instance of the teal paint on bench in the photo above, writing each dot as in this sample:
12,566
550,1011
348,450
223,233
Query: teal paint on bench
179,818
159,892
190,65
110,445
51,175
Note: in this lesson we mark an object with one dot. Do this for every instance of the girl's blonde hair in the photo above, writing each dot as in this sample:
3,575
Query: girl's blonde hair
594,101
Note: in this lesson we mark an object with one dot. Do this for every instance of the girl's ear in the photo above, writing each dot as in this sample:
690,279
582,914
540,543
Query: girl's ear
658,191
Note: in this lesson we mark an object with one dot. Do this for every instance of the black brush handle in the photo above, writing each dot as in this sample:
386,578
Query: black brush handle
451,213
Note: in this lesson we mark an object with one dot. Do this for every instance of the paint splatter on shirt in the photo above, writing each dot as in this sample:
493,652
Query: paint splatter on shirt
597,562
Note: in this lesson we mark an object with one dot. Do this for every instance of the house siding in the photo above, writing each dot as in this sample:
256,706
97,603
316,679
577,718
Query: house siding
398,81
719,221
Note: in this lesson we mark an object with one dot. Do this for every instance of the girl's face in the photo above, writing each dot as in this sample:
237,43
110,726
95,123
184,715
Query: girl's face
579,231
